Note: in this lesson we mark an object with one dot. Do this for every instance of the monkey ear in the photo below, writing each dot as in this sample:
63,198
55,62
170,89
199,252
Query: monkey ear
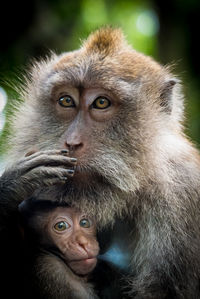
166,95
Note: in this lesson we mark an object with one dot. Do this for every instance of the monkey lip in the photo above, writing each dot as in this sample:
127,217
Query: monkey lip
83,266
87,260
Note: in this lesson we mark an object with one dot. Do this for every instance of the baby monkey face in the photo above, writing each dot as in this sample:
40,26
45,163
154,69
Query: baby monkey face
74,234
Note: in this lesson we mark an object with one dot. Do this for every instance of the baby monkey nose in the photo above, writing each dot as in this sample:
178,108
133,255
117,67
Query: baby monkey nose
82,241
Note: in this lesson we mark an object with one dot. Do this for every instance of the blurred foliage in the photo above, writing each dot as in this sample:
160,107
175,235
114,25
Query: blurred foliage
164,30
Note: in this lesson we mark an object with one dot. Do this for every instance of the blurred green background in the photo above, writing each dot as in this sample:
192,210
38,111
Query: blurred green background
166,30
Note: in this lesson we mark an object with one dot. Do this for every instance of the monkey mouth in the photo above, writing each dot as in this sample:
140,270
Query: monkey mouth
89,258
83,266
85,174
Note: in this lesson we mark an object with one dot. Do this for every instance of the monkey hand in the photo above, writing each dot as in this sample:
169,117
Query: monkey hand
39,169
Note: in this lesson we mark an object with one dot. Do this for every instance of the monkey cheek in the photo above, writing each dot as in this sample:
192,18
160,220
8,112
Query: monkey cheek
83,267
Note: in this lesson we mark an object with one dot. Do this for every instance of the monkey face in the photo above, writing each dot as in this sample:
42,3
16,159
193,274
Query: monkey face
81,101
87,116
74,234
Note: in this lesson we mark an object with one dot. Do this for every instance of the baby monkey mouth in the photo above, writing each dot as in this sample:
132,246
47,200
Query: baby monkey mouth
88,258
83,266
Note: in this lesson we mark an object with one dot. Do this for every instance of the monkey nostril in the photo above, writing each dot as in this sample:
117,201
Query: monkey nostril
74,147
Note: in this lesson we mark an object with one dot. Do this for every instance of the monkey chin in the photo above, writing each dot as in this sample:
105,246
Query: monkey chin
83,267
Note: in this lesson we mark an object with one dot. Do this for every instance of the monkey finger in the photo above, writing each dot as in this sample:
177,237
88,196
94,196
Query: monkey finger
45,160
30,153
55,181
42,173
33,154
20,164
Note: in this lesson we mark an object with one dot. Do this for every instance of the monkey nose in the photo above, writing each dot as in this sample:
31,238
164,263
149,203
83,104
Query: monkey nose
75,148
82,241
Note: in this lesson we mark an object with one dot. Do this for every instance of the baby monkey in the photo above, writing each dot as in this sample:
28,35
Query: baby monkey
61,242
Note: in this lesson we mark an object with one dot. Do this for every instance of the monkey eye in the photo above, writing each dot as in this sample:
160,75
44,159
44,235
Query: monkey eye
85,223
101,103
61,226
66,101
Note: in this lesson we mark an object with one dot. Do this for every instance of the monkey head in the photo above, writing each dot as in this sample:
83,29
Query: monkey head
75,236
62,230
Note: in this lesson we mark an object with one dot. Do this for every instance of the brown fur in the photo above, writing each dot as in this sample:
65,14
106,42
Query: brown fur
141,164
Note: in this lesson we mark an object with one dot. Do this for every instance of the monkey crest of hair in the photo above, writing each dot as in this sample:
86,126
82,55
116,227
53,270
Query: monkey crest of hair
133,159
106,41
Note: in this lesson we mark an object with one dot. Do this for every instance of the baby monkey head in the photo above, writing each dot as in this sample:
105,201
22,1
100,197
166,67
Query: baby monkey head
63,231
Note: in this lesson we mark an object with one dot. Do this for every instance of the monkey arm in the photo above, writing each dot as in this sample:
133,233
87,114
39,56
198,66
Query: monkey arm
55,280
163,262
40,169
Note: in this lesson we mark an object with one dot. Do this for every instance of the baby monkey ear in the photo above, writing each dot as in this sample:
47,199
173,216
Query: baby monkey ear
166,95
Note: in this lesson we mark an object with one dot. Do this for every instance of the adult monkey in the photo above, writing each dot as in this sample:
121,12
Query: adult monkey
120,114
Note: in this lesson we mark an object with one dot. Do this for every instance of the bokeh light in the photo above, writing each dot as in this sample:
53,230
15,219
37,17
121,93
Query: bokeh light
147,23
3,101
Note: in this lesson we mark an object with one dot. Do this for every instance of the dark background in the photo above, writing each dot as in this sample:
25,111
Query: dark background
166,30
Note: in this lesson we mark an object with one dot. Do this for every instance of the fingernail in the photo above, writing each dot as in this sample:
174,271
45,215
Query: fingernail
73,159
30,153
70,171
64,151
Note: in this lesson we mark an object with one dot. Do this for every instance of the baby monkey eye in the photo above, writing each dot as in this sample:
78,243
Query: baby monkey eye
85,223
101,103
66,101
61,226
